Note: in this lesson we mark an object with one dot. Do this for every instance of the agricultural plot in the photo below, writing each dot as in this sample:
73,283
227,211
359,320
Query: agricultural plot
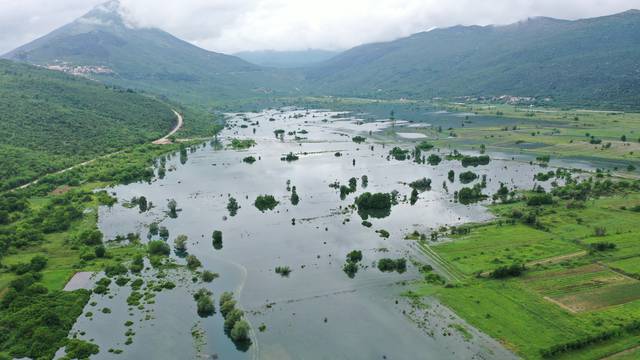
584,288
629,266
491,246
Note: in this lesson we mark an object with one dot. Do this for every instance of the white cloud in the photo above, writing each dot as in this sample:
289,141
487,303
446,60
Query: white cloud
234,25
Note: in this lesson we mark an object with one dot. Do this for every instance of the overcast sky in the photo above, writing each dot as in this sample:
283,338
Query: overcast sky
235,25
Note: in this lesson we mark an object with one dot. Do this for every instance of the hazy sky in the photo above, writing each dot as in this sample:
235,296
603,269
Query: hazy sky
235,25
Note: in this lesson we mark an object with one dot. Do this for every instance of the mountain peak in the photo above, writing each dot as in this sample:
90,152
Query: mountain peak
105,14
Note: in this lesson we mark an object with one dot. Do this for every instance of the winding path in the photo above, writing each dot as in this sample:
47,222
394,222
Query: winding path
165,140
162,141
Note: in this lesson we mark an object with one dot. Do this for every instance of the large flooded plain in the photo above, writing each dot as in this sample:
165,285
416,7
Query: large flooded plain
317,311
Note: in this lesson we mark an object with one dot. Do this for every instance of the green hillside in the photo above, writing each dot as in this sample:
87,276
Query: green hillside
51,120
585,62
148,59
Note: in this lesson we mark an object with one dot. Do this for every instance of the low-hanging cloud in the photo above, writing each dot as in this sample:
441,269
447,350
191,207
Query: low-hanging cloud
236,25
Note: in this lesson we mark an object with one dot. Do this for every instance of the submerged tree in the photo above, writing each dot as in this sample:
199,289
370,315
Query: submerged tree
173,208
232,206
295,199
265,202
216,237
180,244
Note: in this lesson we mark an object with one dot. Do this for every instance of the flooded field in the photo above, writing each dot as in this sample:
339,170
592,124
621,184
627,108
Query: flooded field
317,311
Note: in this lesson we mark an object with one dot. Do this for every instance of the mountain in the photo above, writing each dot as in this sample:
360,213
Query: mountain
589,62
51,120
103,46
286,59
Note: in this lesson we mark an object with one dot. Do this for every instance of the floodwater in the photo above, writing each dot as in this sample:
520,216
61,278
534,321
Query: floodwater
317,312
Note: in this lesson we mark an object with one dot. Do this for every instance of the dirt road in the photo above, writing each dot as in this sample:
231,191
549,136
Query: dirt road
162,141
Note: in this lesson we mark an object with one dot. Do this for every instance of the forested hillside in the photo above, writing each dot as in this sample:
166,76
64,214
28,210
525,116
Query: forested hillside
100,45
585,62
51,120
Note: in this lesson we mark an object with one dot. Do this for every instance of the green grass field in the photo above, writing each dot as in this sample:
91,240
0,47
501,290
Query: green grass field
554,132
63,259
555,302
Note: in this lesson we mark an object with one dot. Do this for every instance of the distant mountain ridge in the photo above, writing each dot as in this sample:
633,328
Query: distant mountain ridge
144,58
583,61
588,62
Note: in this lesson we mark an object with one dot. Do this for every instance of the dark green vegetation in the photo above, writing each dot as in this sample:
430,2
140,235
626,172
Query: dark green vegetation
46,236
399,153
51,121
147,59
249,160
35,322
388,265
376,205
467,177
351,266
569,61
232,206
265,202
234,324
283,271
238,144
554,278
204,301
216,239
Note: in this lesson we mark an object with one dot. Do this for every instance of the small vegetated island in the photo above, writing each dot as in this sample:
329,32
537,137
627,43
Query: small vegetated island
265,202
377,205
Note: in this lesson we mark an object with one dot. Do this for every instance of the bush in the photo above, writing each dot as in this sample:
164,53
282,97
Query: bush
115,270
421,184
205,306
232,206
91,237
359,139
79,349
265,202
208,276
388,265
354,256
503,272
180,244
100,251
157,247
284,271
539,199
193,262
38,263
602,246
240,331
377,201
232,318
470,195
467,177
216,237
249,160
350,268
475,160
434,159
399,154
